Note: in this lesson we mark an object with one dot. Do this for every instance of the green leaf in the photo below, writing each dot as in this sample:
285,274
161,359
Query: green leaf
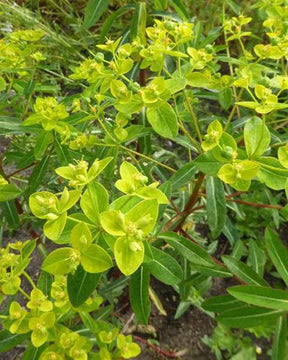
248,316
175,84
243,271
225,97
144,214
257,137
216,270
139,294
32,353
221,303
63,152
43,141
216,205
256,258
283,155
93,11
197,79
112,222
183,176
45,282
272,173
138,26
278,253
208,164
81,237
2,84
192,252
108,23
163,120
280,340
261,296
95,259
38,174
11,125
128,258
149,192
9,341
9,211
61,261
9,192
54,228
180,8
164,267
80,285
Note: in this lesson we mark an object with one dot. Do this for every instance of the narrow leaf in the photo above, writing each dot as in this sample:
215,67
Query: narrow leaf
216,205
93,12
261,296
164,267
183,176
243,271
278,253
221,303
139,294
38,174
80,285
9,341
280,340
189,250
248,316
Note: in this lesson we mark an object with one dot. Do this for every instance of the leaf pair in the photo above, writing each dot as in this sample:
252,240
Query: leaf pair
92,257
130,229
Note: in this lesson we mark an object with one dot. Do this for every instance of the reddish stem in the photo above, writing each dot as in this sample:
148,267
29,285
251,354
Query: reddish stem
192,201
156,348
266,206
19,170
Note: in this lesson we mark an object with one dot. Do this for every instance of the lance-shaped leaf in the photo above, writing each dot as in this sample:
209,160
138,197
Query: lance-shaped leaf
248,316
256,258
9,341
93,11
80,285
164,267
278,253
261,296
221,303
216,205
243,271
139,294
280,340
188,249
94,201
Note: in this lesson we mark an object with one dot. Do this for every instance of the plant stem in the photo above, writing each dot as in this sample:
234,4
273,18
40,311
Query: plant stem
266,206
193,116
157,348
27,276
147,158
192,200
24,293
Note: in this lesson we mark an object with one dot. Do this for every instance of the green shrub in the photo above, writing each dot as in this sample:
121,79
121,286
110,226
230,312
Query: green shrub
117,153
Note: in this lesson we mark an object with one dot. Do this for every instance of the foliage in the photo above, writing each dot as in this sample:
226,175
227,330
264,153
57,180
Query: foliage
122,145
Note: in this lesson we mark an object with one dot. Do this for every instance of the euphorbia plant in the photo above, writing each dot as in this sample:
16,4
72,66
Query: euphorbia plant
157,136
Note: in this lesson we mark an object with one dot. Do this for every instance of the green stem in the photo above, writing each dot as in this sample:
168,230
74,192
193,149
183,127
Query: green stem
27,276
233,110
147,158
193,116
24,293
